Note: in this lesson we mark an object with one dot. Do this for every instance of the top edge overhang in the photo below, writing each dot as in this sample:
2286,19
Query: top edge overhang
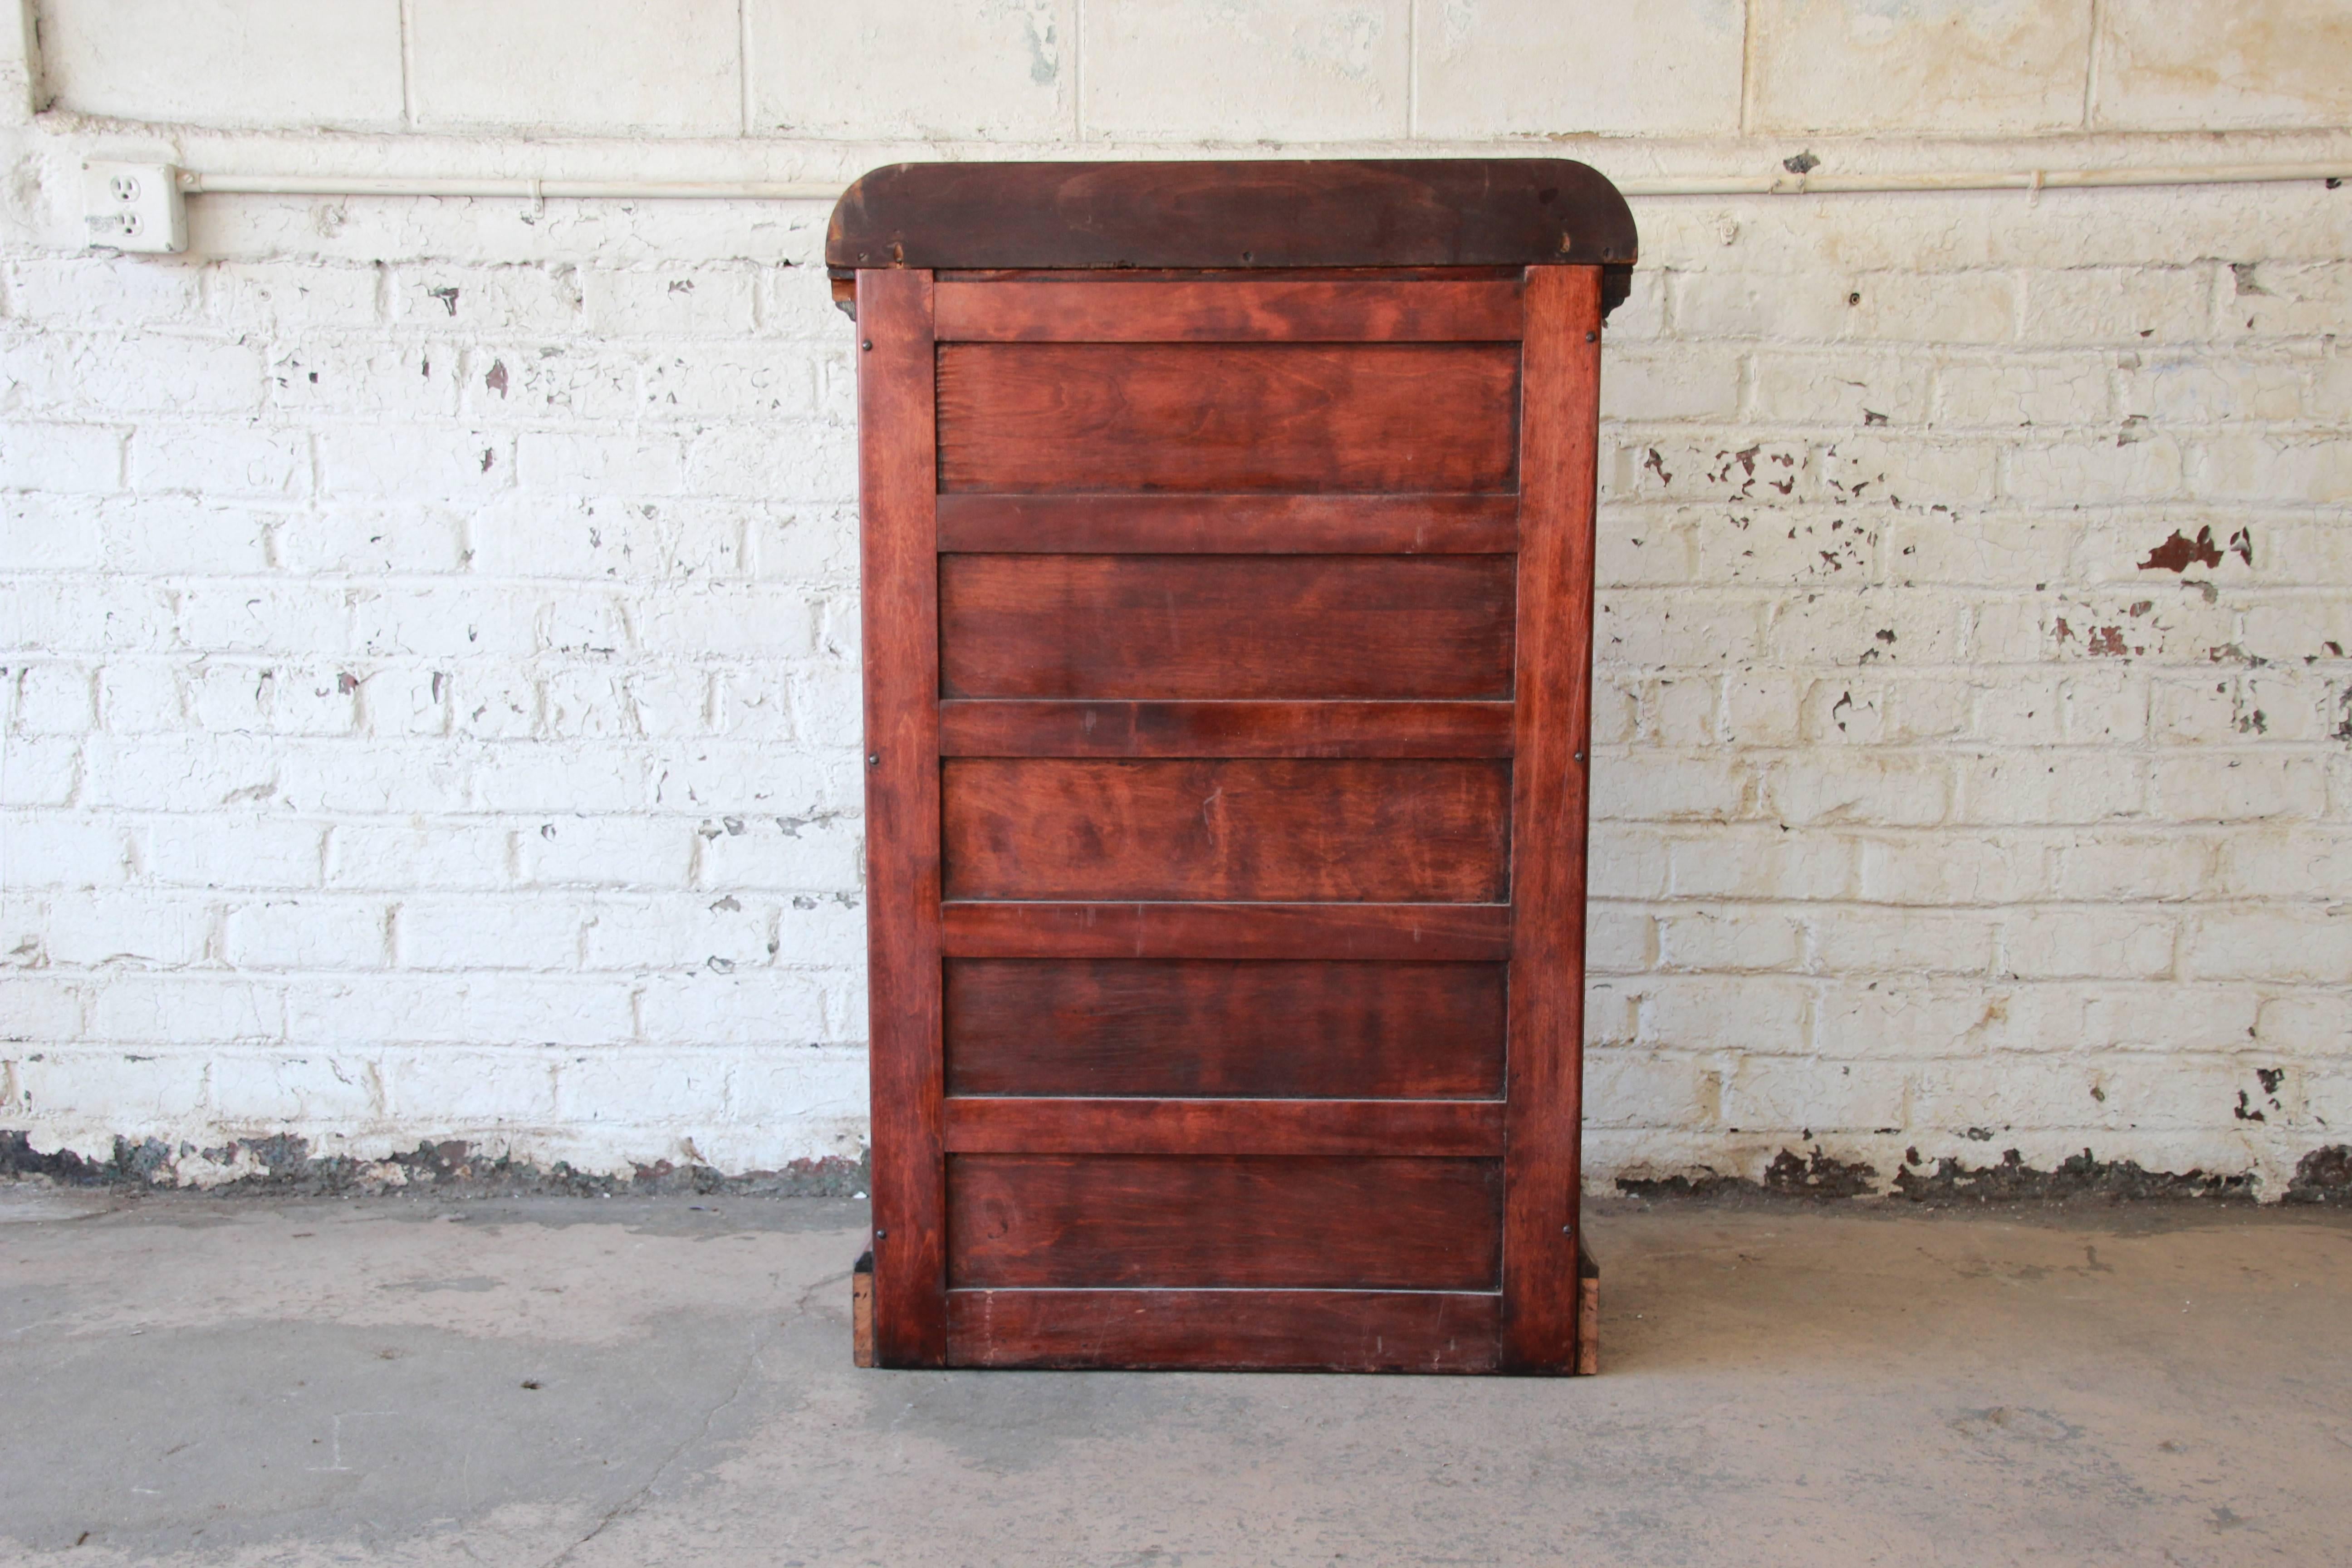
1320,212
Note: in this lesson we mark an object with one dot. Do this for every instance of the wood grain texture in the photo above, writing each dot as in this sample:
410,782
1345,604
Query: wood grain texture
1245,310
1206,1330
899,578
1402,212
1224,1028
1231,524
1398,932
1231,626
1587,1312
1296,1222
1158,417
1550,795
1460,1129
1241,829
1080,729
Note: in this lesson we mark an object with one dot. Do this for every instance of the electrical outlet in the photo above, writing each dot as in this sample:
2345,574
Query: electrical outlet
134,206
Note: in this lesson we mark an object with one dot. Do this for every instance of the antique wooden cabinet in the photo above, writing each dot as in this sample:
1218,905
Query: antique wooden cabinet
1227,574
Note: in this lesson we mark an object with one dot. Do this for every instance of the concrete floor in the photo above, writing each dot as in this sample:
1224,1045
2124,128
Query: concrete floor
661,1382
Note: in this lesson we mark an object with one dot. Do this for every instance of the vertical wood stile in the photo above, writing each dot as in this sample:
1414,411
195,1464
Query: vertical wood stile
1560,378
897,504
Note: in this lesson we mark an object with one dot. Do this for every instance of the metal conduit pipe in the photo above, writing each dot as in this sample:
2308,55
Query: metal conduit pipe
195,183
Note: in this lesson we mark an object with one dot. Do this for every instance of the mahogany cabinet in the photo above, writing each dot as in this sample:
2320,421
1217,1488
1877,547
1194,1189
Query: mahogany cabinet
1227,535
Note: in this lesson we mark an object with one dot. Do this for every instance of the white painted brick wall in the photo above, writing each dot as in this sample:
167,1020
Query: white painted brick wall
428,686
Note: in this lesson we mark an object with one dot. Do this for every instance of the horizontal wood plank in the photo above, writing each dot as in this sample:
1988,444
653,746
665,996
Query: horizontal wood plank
1419,1128
1119,311
1301,1222
1058,929
1227,213
1079,728
1204,626
1243,524
1271,830
1228,416
1224,1028
1205,1331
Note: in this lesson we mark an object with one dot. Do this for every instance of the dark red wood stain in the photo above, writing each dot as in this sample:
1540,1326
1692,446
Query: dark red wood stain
1003,1125
1223,1028
1246,524
1227,416
1279,311
1226,626
1281,1222
1406,934
1248,829
1547,807
1013,727
896,496
1207,1330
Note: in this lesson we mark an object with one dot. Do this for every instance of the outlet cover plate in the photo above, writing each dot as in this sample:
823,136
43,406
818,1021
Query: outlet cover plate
134,206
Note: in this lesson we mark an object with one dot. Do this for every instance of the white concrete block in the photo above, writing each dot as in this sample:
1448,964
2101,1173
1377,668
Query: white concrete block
265,1092
281,64
663,68
913,68
788,853
2051,787
2306,946
483,1090
2132,467
226,852
185,1010
2239,787
2018,389
65,372
2125,305
414,462
308,933
488,1008
41,771
548,383
1903,940
1777,1094
2211,65
49,532
70,460
539,932
1283,70
215,460
723,934
55,292
368,540
50,698
770,1007
608,852
175,535
670,302
293,296
1729,941
2087,943
364,376
1996,66
442,857
136,1093
58,849
739,381
1488,68
2286,299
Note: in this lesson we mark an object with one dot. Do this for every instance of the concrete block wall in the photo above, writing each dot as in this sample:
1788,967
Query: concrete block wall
429,626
